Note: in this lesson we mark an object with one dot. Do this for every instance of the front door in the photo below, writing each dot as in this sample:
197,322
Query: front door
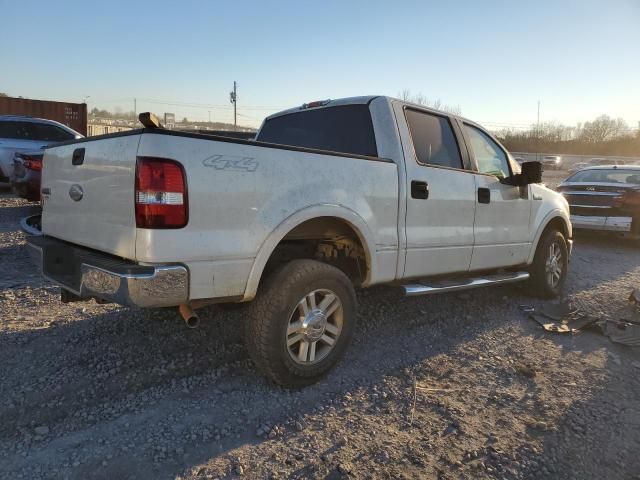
502,236
440,195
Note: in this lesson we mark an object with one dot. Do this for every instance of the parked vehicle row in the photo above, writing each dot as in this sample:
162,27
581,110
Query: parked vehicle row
377,191
22,141
556,162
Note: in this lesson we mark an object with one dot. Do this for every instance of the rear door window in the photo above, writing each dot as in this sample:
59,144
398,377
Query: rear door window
433,139
345,129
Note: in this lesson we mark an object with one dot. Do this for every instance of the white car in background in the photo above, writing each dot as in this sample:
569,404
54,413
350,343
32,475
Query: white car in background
27,134
552,162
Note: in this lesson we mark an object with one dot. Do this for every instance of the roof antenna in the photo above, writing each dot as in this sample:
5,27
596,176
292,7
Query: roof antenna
149,120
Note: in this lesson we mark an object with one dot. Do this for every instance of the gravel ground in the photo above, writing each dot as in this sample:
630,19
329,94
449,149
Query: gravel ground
450,386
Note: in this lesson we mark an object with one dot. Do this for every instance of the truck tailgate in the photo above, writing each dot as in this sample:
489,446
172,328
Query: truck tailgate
92,203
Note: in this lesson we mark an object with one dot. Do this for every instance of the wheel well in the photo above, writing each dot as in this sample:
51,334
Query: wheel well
326,239
556,223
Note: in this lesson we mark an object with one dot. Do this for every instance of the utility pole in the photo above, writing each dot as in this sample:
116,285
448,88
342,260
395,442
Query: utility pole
135,109
233,98
538,131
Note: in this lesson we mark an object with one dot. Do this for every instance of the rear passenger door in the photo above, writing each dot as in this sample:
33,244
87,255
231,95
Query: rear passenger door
440,194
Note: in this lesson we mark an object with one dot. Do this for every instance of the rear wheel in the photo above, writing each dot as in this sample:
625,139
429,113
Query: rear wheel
550,265
301,322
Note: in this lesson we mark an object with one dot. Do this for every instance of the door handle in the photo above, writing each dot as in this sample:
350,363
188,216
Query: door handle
419,189
484,195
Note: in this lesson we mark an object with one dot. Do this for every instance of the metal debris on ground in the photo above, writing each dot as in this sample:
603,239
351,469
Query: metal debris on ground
562,318
626,332
558,318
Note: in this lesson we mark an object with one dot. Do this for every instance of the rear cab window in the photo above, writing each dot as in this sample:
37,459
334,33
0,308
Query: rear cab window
345,129
433,139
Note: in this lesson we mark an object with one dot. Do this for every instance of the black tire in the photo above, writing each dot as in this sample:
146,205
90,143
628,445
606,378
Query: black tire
270,313
540,282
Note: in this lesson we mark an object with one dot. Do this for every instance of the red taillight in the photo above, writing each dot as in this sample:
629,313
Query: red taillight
31,162
33,165
629,199
161,194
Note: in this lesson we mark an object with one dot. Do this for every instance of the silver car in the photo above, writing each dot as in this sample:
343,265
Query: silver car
26,134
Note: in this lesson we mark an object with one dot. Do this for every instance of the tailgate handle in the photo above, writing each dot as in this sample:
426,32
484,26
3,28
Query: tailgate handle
78,156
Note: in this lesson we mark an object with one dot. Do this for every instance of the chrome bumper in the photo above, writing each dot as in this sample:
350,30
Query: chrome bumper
88,274
602,223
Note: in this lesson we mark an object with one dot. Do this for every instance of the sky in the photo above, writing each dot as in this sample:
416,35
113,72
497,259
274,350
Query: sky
494,59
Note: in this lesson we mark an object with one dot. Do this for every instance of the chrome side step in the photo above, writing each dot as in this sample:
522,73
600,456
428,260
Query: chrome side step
440,286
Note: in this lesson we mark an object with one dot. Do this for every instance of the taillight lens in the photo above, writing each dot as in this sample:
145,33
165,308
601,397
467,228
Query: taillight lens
161,194
31,163
629,199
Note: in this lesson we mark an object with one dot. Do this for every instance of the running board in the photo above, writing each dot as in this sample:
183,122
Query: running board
440,286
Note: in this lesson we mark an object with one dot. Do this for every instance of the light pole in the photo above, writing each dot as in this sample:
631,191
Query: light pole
233,98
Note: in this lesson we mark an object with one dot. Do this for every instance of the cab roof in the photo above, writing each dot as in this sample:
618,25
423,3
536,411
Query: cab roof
362,100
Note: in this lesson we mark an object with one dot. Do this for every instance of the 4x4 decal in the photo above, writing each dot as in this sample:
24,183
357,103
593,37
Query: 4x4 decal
231,163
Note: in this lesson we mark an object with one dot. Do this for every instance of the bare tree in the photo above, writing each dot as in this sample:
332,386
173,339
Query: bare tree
420,99
603,128
2,94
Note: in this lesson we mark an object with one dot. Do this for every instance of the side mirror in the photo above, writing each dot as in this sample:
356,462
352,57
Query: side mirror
531,173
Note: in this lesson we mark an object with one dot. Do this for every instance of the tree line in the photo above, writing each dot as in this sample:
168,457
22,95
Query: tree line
601,136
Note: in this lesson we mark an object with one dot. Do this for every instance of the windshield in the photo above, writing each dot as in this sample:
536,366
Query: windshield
607,176
346,129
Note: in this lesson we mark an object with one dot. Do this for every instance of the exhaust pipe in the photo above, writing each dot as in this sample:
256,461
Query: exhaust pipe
191,319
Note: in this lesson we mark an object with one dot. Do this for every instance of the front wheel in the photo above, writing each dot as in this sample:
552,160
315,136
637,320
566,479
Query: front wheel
301,322
550,265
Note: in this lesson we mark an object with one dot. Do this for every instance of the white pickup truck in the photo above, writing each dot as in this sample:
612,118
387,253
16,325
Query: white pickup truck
330,196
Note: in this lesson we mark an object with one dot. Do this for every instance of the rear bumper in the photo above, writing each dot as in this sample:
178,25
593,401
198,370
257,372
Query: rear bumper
602,223
91,274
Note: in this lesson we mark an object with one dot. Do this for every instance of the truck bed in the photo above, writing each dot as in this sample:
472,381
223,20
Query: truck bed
239,192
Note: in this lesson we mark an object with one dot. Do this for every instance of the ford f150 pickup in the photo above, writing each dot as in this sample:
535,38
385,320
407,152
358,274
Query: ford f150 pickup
330,196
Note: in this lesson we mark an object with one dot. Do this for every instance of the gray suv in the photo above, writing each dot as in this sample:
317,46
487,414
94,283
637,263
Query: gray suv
19,134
